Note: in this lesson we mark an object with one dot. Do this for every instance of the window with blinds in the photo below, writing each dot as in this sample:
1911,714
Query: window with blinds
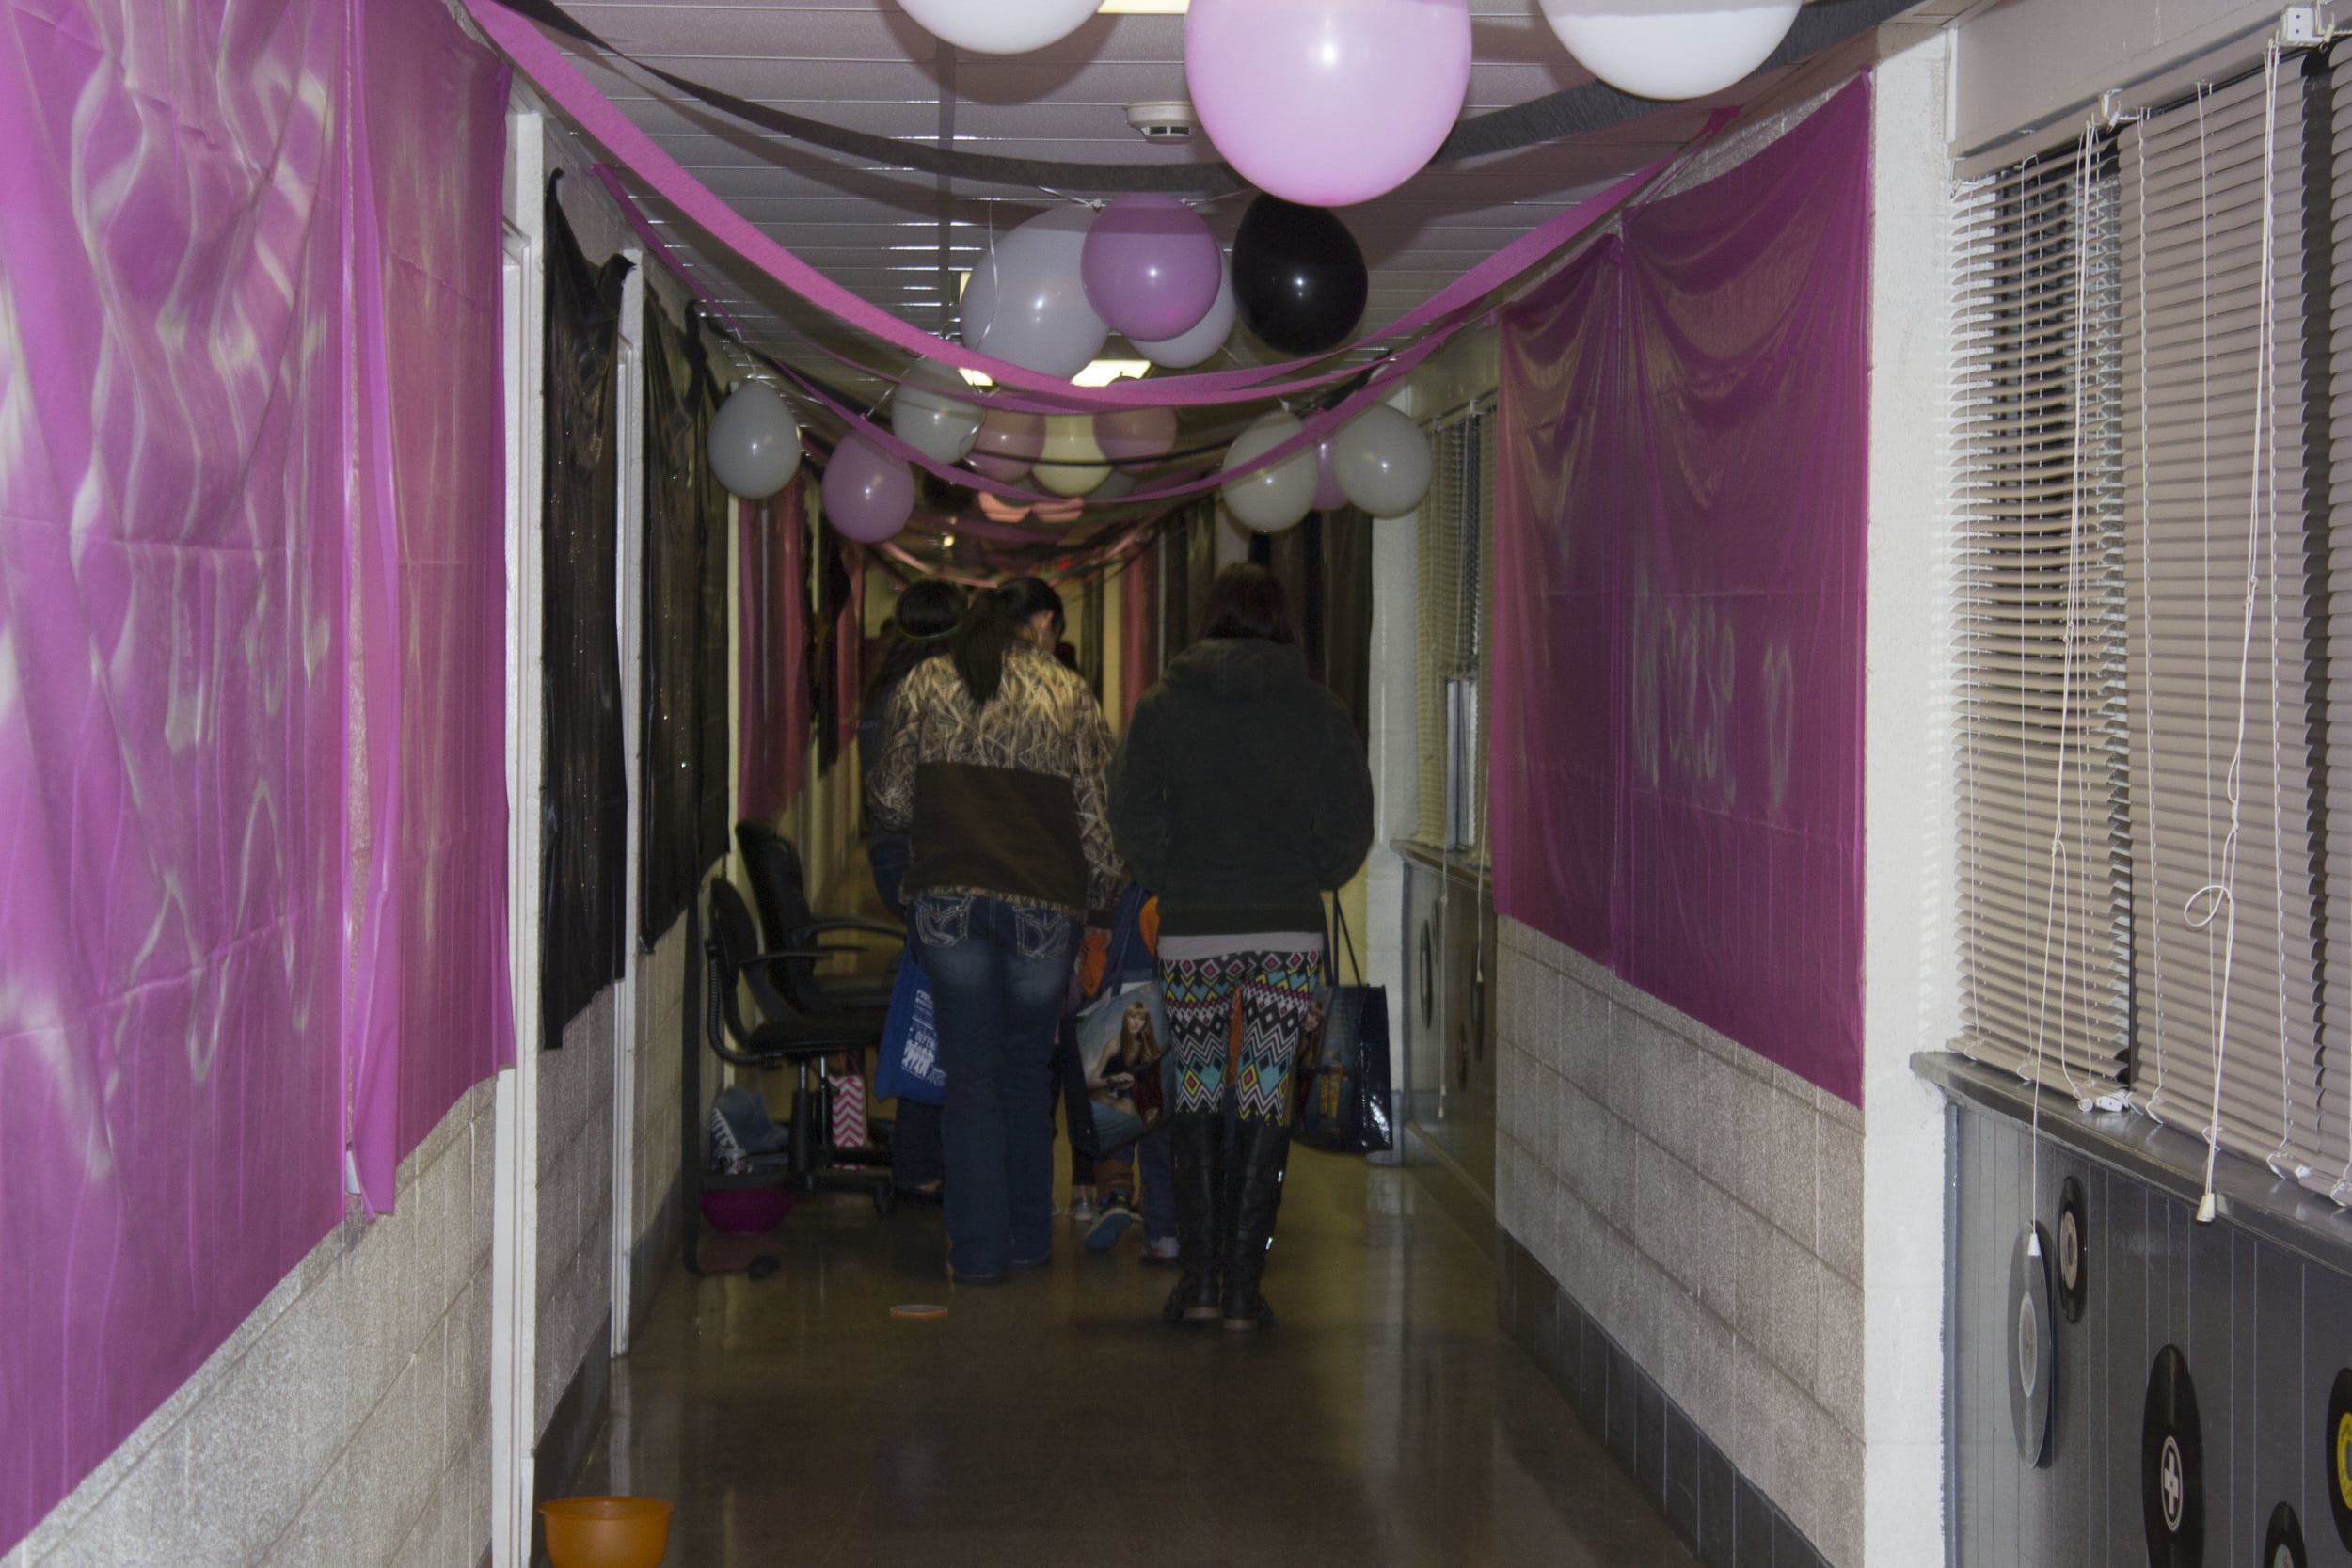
2149,588
1452,587
2044,809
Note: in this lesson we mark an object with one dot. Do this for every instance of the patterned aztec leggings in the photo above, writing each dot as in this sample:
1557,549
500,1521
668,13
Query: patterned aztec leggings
1241,1010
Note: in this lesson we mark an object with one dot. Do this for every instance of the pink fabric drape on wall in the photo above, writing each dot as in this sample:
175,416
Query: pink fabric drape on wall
215,801
771,745
1679,554
432,1015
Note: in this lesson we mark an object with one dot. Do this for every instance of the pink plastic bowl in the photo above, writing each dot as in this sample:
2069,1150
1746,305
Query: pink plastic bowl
747,1211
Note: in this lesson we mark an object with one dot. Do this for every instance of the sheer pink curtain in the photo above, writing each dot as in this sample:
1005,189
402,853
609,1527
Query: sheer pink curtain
1677,757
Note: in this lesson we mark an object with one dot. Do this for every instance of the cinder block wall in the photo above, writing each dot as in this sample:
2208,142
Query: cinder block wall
345,1423
1703,1206
575,1284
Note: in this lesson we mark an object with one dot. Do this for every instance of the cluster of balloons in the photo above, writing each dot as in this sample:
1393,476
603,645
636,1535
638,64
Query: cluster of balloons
1379,461
1049,293
1328,103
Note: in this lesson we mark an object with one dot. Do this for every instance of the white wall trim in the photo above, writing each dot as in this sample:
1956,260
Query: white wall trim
1909,997
514,1256
628,613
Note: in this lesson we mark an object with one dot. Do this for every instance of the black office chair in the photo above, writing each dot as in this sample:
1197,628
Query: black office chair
797,1040
788,922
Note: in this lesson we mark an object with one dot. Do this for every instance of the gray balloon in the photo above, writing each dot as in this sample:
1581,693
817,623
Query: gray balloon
754,442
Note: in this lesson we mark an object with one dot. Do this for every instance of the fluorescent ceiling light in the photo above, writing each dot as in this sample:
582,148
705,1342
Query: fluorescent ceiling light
1098,373
1141,7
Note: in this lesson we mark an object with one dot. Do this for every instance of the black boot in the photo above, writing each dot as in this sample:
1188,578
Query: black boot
1260,1149
1196,1148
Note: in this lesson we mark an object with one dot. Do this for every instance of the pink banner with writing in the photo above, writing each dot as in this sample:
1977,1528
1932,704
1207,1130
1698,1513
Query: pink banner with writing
1681,495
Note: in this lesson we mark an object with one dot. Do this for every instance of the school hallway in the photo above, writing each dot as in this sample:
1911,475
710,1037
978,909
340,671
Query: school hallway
1056,1420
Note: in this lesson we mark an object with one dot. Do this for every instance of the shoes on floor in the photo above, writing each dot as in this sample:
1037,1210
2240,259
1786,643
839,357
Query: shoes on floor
955,1278
1038,1262
929,1193
1083,1210
1160,1252
1110,1224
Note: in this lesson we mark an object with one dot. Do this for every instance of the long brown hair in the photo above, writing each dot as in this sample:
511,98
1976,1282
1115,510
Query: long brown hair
993,626
1246,600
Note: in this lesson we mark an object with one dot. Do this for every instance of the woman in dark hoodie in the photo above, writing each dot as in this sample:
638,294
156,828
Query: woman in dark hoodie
1240,797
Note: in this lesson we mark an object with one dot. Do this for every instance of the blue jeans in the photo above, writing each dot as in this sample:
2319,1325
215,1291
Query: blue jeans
1159,1185
998,972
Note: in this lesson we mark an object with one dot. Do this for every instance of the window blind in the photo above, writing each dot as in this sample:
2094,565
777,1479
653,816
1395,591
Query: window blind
2043,805
2224,748
1454,573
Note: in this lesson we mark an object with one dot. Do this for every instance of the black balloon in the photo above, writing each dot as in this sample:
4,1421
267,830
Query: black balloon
1298,278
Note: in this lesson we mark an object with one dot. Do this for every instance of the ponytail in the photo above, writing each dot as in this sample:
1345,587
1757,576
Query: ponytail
992,625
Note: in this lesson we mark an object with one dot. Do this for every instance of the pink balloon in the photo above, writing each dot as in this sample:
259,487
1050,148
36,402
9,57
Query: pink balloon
1329,497
1008,442
1136,435
1150,266
868,493
1327,103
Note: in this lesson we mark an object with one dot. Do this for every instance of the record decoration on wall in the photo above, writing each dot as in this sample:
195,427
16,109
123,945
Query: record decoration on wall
2033,1345
2172,1465
2336,1455
2282,1543
2073,1260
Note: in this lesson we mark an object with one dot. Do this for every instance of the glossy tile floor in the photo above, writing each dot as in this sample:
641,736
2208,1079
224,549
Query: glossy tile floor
1057,1421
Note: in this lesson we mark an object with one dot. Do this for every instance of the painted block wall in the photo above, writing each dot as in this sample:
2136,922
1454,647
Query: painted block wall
575,1260
346,1423
653,1159
1704,1206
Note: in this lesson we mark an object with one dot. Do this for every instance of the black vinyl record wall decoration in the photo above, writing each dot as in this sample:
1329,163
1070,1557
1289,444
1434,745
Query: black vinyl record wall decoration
2172,1465
2282,1543
2033,1345
2073,1261
2335,1458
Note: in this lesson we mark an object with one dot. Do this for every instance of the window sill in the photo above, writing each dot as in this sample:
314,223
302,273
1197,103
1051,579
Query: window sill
2134,1145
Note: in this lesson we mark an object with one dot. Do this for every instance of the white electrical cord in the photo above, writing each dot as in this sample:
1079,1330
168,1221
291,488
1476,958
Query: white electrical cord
2220,896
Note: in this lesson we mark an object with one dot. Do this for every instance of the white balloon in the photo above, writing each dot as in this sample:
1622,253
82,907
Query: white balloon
1000,26
934,412
1381,459
1026,302
1275,497
1072,463
1671,49
754,442
1206,336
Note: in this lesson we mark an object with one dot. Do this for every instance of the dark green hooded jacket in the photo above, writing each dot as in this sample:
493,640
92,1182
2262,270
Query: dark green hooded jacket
1241,793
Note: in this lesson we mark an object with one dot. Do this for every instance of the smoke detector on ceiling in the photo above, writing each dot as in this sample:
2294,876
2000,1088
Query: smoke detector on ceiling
1165,121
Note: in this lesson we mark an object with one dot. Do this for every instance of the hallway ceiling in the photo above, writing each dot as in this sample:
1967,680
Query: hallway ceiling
900,238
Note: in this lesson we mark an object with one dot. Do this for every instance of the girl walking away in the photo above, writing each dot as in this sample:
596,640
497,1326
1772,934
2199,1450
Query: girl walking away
993,762
925,618
1240,796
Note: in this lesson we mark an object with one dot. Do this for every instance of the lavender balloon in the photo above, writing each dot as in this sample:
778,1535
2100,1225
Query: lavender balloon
1150,266
1136,435
868,493
1008,442
1327,103
1188,348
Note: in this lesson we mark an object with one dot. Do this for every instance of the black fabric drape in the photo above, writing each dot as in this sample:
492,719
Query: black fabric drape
1325,566
674,672
712,505
825,650
583,834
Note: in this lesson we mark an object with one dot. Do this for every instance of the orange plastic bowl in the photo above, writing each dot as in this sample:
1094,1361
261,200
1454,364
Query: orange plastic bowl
605,1532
